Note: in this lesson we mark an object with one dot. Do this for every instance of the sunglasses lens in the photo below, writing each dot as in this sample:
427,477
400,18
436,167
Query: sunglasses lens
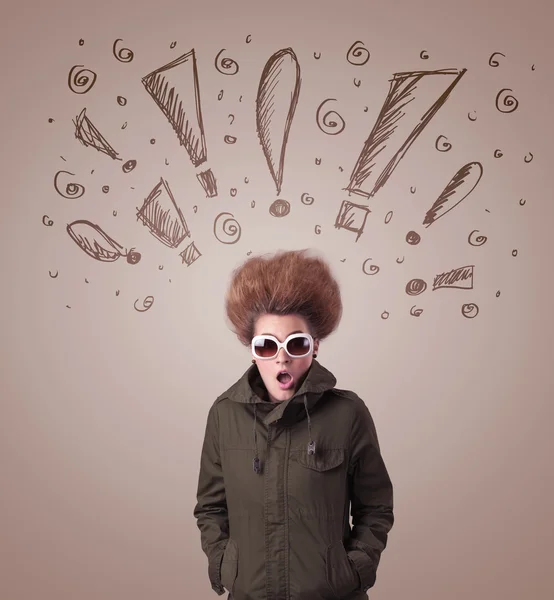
298,346
265,348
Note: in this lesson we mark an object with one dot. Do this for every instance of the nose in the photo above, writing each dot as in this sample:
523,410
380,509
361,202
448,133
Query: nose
284,357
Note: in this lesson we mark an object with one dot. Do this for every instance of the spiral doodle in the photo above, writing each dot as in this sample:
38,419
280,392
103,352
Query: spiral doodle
388,217
492,61
306,199
72,190
160,267
528,157
357,54
413,238
230,227
417,312
121,100
279,208
506,103
446,145
424,55
105,189
414,287
123,55
498,153
326,124
478,240
470,310
227,66
385,315
146,304
373,269
229,139
85,79
47,221
129,166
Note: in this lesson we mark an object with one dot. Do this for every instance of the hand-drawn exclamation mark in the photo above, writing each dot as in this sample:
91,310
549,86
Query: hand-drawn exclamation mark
276,102
180,103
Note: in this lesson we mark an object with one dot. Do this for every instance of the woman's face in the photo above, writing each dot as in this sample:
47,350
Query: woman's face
281,327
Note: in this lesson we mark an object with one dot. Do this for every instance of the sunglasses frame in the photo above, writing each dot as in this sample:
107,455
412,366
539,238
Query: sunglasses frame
282,345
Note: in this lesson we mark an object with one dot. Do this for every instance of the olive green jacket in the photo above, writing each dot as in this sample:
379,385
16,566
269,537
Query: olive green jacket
277,481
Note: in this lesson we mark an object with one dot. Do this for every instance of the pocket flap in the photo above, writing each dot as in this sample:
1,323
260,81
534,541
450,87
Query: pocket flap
324,459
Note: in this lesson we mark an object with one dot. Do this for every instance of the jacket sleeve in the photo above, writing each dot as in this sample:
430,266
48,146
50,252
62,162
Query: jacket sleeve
371,497
211,508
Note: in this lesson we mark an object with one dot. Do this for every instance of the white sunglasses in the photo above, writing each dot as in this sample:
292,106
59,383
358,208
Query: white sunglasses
297,345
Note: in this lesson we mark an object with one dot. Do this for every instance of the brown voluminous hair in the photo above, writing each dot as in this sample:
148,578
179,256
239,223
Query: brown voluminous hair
290,282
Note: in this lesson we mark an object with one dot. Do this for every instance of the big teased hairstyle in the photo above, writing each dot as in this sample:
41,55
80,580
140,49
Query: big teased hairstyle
290,282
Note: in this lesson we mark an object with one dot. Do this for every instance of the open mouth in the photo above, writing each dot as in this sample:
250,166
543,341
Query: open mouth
285,380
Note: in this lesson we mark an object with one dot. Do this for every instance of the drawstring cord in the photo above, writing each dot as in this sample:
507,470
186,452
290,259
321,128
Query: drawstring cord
311,444
256,461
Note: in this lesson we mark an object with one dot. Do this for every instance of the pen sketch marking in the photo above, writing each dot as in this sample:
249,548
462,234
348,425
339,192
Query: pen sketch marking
470,310
388,217
146,303
498,294
412,189
424,55
470,118
229,139
129,166
404,105
276,100
528,157
248,38
357,54
98,244
233,192
415,287
416,312
51,120
183,112
458,188
326,124
172,45
88,135
373,269
506,103
317,55
357,82
352,217
230,227
227,66
498,153
47,221
318,161
478,240
492,61
123,55
72,190
279,208
385,315
460,278
53,276
81,42
82,81
446,145
190,254
522,202
317,229
413,238
163,217
122,101
514,252
400,261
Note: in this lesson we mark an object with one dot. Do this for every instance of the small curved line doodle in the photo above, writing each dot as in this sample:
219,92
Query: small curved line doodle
341,169
528,160
240,98
160,267
81,42
114,213
172,45
343,260
72,190
249,253
253,204
166,162
498,153
357,82
121,100
232,117
86,280
417,312
532,67
51,120
123,55
326,125
85,78
424,55
470,310
220,95
53,276
129,166
124,126
385,315
229,139
478,240
388,217
487,210
279,208
146,303
318,161
415,287
522,202
469,117
413,189
413,238
233,192
400,261
227,66
357,54
117,292
317,55
317,229
509,101
306,199
446,146
230,227
373,269
495,63
195,209
48,222
497,294
514,252
153,141
248,38
246,180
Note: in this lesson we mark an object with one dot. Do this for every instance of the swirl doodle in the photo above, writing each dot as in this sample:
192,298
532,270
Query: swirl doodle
385,315
227,66
492,61
388,217
326,124
317,229
306,199
416,312
528,157
123,55
414,287
472,118
105,189
230,227
72,190
229,139
47,221
413,238
82,81
478,240
357,54
53,276
160,267
373,269
498,153
279,208
424,55
146,304
129,166
446,145
506,103
121,100
470,310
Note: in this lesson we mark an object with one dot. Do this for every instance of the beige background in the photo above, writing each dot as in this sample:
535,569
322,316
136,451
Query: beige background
103,407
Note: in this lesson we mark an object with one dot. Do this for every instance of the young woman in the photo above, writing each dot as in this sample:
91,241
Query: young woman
287,456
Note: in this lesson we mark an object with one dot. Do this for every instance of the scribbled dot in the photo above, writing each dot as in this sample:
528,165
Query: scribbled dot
306,199
413,238
233,192
229,139
328,123
172,45
82,81
373,269
129,166
226,66
357,54
220,95
528,157
522,202
153,141
498,153
123,55
416,312
478,240
514,252
385,315
505,102
414,287
492,61
424,55
388,217
71,190
81,42
105,189
146,303
279,208
470,310
317,229
498,294
445,146
50,120
227,226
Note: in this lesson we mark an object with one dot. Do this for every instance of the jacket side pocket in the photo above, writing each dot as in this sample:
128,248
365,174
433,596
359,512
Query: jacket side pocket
340,573
229,565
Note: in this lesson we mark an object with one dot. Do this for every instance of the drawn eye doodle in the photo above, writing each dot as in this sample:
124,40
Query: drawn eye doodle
230,227
72,190
306,199
446,145
82,81
327,124
146,304
415,287
506,103
229,139
478,240
492,61
416,312
227,66
129,166
123,55
413,238
470,310
373,269
357,54
279,208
